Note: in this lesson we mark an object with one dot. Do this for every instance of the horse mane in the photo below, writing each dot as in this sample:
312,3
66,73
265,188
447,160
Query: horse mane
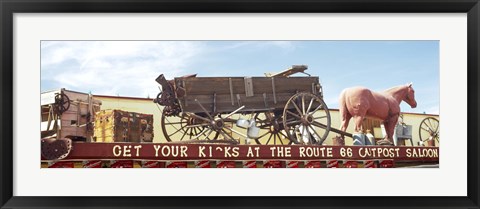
395,89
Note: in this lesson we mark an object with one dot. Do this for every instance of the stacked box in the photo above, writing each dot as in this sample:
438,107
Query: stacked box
123,126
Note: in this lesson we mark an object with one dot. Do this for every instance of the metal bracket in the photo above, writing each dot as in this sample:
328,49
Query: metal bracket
185,95
265,100
273,91
214,102
231,90
248,86
238,100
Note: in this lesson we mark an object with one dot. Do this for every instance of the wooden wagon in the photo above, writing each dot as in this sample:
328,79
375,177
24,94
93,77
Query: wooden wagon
275,109
68,114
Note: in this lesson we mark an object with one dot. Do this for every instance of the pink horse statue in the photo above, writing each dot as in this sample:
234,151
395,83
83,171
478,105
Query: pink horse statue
360,102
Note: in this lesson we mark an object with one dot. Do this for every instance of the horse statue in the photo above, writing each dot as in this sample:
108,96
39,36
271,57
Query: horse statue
360,102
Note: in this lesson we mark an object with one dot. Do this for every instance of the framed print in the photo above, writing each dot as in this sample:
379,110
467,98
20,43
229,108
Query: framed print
275,92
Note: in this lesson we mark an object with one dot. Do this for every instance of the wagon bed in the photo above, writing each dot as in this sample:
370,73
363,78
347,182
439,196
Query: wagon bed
226,94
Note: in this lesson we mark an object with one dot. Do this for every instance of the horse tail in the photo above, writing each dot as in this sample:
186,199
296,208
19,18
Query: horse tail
344,115
342,104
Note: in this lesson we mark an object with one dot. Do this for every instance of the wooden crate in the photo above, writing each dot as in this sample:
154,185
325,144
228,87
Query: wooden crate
123,126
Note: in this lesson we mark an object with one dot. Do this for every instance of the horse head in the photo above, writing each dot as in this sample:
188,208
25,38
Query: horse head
410,96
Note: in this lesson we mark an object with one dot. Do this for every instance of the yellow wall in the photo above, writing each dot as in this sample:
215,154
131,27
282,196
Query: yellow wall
147,106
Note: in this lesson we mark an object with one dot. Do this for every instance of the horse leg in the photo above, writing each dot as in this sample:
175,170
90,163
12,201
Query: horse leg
344,114
359,116
390,128
358,123
345,120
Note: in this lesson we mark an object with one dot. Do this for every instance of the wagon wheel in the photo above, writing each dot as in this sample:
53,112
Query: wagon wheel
271,127
181,127
306,119
216,126
219,129
62,103
428,129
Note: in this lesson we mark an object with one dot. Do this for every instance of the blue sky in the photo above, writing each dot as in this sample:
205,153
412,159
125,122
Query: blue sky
129,68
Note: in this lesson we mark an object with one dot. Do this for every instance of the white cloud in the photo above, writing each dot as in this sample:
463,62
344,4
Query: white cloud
127,68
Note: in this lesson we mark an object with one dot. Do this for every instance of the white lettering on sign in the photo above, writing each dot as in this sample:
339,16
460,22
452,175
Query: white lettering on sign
235,151
227,152
200,151
314,151
156,147
281,151
137,148
126,151
250,152
302,151
329,152
165,150
288,151
183,150
117,150
273,151
416,152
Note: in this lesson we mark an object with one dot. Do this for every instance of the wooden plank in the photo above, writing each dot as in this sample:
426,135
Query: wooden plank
224,105
221,85
290,71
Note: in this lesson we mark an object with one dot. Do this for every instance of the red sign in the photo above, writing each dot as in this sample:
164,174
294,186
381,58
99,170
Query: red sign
182,152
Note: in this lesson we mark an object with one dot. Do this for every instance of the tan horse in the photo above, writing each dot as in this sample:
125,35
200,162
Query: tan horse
360,102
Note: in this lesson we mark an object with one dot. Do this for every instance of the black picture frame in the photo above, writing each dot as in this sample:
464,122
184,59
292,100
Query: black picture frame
10,7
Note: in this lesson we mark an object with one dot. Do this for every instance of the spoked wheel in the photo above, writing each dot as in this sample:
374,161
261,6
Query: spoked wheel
62,103
306,119
428,129
271,129
206,127
181,127
218,129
